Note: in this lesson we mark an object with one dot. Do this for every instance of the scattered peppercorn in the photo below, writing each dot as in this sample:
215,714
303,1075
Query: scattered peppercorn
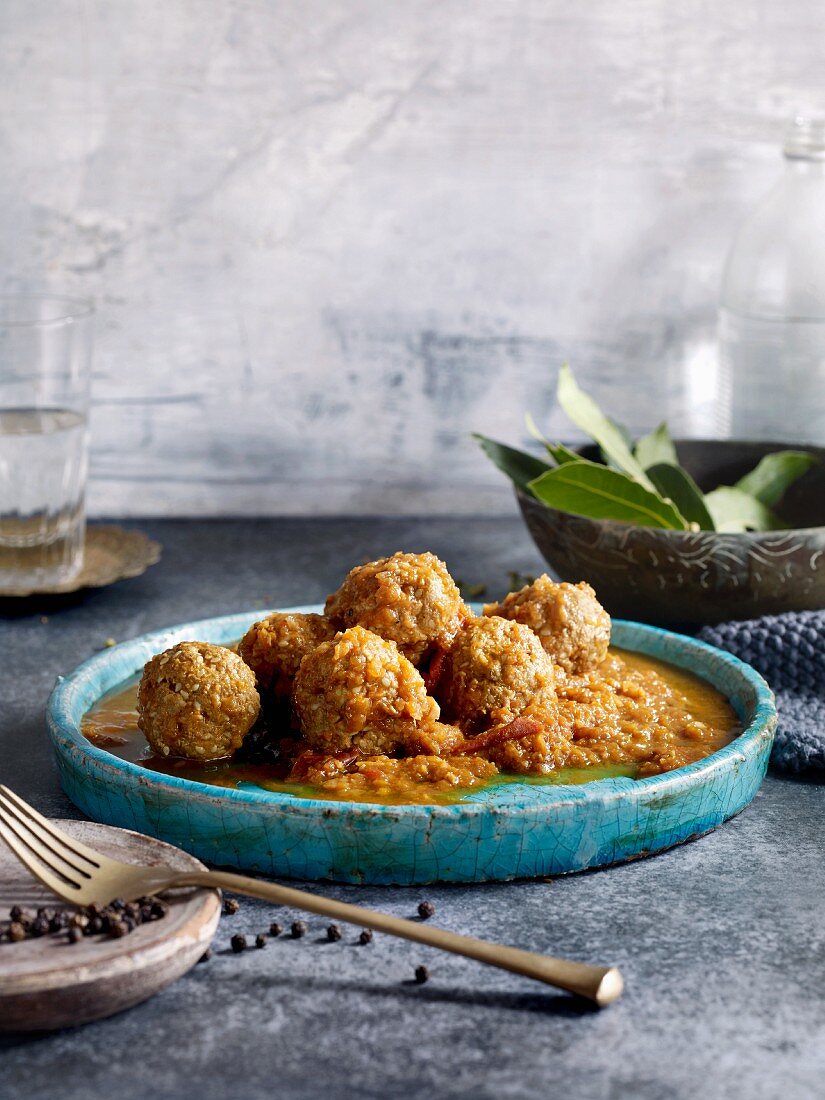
16,931
206,956
297,929
260,940
238,943
333,933
116,919
230,906
421,974
75,935
275,929
40,927
426,910
366,936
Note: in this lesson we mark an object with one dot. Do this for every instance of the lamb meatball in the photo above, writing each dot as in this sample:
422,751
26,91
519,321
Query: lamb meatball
573,626
197,701
358,691
496,671
274,647
409,599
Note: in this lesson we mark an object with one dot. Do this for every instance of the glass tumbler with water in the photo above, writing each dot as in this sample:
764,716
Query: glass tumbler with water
45,356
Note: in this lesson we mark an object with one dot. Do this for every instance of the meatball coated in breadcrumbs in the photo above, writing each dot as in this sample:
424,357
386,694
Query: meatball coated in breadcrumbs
496,671
409,599
274,647
197,700
573,626
358,691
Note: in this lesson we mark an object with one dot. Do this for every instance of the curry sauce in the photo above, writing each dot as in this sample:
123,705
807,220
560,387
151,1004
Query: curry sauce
633,716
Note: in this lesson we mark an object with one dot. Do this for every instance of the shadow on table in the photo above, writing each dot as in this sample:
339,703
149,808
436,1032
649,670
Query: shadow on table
555,1004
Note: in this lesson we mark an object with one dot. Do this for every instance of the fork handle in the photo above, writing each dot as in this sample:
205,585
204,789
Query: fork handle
600,984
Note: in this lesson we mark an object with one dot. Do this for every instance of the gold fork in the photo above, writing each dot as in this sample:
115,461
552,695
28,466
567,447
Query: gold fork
82,876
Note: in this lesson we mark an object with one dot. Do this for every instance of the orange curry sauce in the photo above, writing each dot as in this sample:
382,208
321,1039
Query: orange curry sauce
634,716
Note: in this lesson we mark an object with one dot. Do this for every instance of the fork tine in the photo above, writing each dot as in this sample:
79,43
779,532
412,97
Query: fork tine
44,855
41,842
58,886
66,841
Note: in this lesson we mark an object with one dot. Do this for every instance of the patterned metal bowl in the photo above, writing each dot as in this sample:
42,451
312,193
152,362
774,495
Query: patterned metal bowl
682,577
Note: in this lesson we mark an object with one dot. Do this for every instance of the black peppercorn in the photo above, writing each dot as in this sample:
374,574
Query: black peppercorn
75,935
297,929
421,974
230,906
260,940
206,956
275,929
15,913
118,928
118,905
333,933
40,927
238,943
366,936
426,910
16,931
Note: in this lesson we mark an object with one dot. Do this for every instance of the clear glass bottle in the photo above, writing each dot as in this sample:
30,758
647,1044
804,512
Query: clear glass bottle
772,308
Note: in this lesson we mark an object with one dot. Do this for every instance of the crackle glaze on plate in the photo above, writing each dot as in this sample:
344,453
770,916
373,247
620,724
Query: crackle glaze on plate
512,831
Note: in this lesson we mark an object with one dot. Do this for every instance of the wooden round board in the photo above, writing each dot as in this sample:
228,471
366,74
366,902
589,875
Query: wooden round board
48,982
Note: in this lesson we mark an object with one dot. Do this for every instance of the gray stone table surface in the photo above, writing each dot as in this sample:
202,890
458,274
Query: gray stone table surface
721,941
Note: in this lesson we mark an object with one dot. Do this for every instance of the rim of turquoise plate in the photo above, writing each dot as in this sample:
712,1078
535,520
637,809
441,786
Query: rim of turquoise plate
82,688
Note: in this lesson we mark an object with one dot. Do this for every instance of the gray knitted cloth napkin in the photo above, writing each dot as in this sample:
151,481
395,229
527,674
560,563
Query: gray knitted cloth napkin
789,651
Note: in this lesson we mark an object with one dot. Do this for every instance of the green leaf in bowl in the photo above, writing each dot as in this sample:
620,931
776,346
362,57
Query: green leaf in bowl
586,414
656,447
588,489
561,454
774,474
677,485
519,466
735,511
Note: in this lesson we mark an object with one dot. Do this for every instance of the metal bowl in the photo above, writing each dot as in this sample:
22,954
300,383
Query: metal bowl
685,577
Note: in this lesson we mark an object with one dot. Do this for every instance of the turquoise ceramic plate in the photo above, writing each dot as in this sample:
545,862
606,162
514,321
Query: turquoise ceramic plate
515,830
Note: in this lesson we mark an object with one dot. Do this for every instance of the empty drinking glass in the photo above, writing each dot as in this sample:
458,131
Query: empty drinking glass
45,354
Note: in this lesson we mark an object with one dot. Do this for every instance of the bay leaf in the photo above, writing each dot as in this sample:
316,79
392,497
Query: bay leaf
677,485
774,474
586,414
588,489
734,511
520,466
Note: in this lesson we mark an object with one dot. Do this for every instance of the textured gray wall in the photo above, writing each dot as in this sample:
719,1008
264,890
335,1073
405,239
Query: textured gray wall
327,239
